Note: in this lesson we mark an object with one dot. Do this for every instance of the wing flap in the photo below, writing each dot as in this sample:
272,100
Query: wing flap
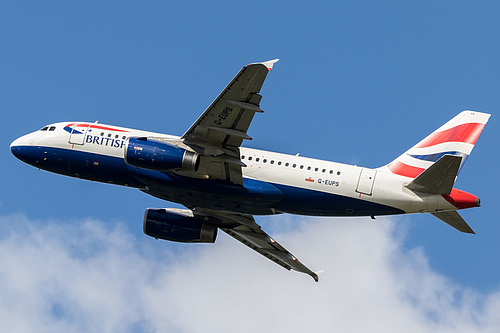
255,247
221,115
262,243
233,109
236,133
221,129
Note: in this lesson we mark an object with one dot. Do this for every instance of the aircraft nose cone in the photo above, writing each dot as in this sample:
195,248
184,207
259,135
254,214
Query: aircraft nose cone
15,147
16,142
18,151
21,149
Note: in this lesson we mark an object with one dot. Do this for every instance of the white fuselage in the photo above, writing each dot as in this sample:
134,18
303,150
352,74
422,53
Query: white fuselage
287,173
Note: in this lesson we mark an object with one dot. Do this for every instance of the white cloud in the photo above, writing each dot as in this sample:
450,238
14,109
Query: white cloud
89,276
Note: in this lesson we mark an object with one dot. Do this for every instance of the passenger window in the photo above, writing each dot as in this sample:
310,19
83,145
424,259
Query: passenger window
250,158
331,171
324,170
123,137
242,157
116,136
102,133
308,168
272,161
287,164
279,163
302,167
265,161
257,159
316,169
109,135
295,165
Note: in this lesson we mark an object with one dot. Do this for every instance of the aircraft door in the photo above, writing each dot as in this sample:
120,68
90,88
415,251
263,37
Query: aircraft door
77,134
365,182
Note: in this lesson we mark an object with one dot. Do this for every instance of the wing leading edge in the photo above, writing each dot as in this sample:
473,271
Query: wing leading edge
243,228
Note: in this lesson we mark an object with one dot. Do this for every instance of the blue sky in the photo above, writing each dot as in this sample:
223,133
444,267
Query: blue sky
358,82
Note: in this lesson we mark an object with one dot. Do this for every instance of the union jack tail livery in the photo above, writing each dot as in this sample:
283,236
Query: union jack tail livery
457,138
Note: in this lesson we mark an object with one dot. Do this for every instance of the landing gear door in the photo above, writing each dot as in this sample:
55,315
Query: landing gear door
365,182
78,133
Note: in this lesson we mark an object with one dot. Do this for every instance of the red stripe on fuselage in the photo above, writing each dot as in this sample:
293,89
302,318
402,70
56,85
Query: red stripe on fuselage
468,133
94,126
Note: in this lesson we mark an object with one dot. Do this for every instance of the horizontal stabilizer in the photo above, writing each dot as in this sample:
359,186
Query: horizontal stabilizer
439,177
455,220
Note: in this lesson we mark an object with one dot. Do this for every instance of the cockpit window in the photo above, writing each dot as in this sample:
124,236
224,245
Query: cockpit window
45,128
52,128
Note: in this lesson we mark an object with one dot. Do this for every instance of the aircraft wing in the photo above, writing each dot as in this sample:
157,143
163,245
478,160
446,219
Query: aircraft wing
244,228
221,129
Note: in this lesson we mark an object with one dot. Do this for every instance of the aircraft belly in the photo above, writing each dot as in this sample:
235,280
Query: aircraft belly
251,198
309,202
256,197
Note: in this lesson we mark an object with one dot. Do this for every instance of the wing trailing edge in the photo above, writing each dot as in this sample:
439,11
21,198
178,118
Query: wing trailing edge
219,132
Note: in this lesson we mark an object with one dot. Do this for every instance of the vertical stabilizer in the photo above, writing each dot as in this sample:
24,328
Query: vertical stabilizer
457,138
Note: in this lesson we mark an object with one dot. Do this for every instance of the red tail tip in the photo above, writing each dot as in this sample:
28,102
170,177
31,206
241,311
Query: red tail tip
462,199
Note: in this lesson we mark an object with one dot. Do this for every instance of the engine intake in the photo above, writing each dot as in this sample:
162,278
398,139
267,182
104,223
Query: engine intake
160,156
178,226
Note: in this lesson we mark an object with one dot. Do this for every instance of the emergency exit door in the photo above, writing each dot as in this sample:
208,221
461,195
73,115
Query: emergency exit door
365,182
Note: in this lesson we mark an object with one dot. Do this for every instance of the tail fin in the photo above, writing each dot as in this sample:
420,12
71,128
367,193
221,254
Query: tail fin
457,137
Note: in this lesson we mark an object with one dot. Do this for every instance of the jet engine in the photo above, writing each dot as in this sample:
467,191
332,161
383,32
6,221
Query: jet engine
178,225
160,156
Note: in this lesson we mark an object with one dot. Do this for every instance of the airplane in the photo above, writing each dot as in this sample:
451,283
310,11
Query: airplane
223,185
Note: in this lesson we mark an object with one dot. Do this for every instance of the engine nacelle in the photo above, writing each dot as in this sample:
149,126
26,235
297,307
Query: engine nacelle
161,156
178,226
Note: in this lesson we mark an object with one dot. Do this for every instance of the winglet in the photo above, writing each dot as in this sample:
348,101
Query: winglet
269,64
315,275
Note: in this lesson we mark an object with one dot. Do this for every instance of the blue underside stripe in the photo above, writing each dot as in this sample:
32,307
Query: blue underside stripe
255,197
303,201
